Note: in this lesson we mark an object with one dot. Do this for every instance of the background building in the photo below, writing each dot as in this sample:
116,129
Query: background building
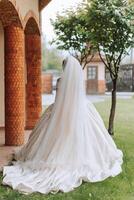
94,74
126,74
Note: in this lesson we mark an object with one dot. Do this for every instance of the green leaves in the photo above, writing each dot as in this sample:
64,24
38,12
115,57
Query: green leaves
73,35
103,25
51,58
110,22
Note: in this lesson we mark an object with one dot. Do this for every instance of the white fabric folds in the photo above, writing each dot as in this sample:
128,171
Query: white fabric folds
69,143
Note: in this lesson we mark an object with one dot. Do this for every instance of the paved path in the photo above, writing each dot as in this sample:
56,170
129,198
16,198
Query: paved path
49,99
6,151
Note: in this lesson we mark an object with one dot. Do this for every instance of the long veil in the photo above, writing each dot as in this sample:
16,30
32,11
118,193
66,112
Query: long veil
72,116
67,111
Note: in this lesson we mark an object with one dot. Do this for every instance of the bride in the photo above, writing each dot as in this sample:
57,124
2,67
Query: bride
69,144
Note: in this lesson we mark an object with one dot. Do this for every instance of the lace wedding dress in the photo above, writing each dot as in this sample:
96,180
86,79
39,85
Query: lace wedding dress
69,144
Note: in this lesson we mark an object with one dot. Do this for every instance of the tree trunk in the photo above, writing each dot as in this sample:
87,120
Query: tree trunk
113,107
84,66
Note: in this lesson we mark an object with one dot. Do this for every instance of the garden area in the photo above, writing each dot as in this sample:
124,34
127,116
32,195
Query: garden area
101,29
117,188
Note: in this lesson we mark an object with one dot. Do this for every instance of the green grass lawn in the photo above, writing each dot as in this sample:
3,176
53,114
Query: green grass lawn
117,188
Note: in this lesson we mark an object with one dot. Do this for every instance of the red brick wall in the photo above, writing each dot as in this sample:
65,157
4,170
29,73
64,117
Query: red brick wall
14,85
47,83
33,86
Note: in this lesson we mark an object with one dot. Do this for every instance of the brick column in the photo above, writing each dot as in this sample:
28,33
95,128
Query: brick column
33,86
14,86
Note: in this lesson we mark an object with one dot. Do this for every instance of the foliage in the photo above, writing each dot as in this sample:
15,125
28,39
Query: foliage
73,36
111,23
131,2
112,30
51,58
117,188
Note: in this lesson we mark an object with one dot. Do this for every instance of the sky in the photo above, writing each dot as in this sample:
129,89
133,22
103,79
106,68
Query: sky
50,13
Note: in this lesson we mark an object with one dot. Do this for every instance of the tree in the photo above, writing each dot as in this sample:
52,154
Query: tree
131,2
103,25
73,36
51,58
111,26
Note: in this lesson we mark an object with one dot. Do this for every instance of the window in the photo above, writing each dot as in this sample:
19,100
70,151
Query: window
92,72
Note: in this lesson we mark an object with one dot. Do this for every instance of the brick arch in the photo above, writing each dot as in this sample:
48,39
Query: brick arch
31,27
9,13
31,15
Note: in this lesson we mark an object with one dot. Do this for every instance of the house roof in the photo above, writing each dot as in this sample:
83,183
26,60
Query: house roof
43,3
97,58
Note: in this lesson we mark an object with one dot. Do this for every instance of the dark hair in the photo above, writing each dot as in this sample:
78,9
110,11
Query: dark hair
64,63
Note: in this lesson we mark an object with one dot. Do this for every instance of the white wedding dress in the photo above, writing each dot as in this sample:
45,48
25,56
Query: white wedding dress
69,143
